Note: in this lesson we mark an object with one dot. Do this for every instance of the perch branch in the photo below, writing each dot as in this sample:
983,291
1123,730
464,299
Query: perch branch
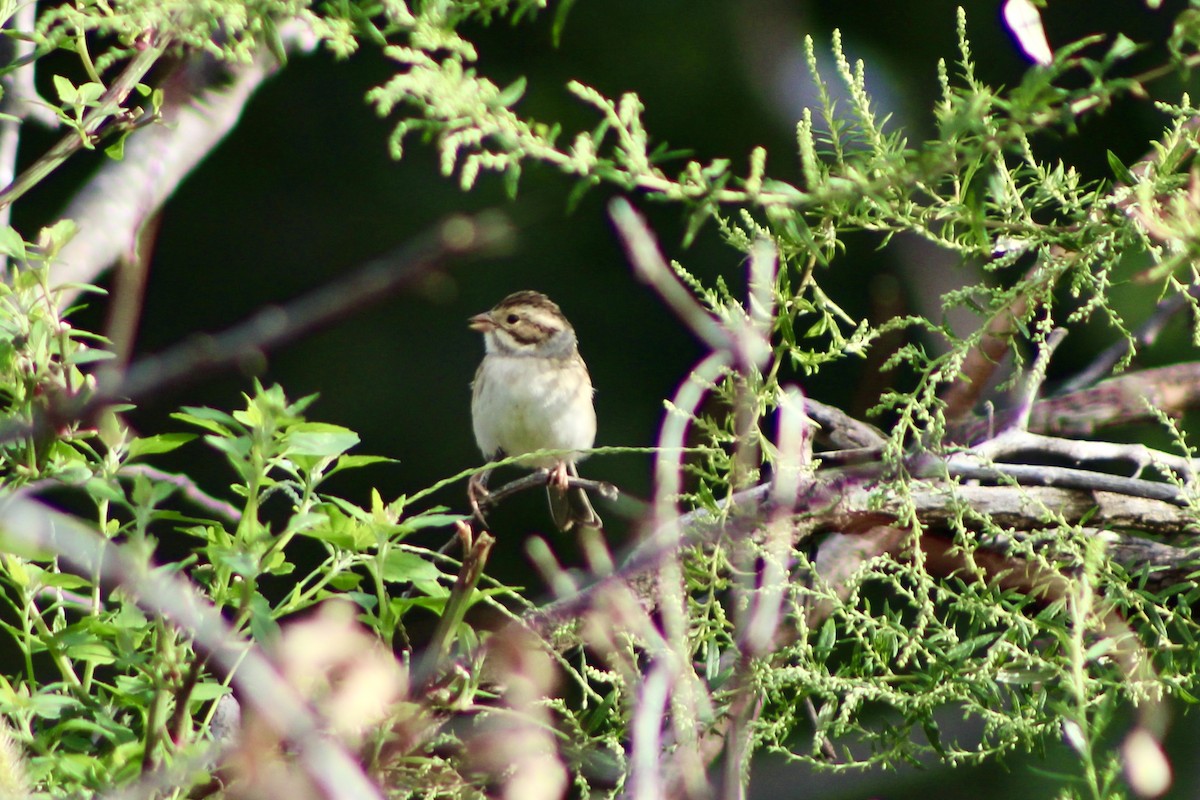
542,477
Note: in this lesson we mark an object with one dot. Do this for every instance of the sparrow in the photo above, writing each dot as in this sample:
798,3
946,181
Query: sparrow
532,392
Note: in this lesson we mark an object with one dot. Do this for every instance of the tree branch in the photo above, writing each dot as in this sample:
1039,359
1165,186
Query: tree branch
203,102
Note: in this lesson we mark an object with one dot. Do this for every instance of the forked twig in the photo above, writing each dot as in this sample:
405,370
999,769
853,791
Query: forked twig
542,477
482,499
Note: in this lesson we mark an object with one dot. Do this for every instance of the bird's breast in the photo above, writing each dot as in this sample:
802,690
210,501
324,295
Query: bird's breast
523,404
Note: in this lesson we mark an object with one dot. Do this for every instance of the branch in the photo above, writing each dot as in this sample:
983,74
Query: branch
541,477
981,361
845,501
202,105
1127,399
107,106
188,488
1146,334
29,526
20,101
274,326
1011,442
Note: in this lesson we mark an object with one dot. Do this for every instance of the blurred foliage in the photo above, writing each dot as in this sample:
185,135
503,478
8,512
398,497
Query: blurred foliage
108,691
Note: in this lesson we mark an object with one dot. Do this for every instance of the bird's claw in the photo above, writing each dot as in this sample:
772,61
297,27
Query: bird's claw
478,495
559,476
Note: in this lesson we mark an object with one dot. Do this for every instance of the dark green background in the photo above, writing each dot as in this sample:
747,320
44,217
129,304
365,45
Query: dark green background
304,191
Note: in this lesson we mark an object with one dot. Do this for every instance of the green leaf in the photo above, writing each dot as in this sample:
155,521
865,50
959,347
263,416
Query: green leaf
262,626
100,489
93,652
320,439
236,448
116,150
1119,170
51,706
357,462
348,536
511,93
208,690
64,580
88,93
401,566
66,90
90,356
234,559
52,238
1122,47
209,419
11,244
346,582
826,639
560,20
160,443
423,521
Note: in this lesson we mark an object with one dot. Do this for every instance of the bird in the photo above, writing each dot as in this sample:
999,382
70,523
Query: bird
532,392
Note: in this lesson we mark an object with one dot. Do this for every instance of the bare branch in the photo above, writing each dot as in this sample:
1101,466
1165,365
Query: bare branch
982,361
844,501
200,109
1122,400
189,490
1014,441
456,237
1146,334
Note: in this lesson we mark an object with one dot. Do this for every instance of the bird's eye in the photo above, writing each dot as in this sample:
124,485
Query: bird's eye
512,319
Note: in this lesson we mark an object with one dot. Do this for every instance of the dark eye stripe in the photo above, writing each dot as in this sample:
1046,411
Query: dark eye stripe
529,333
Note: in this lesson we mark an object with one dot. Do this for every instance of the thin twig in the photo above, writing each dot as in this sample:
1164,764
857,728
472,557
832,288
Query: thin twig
188,488
476,549
1146,334
20,99
542,477
107,106
1011,442
966,468
1122,400
203,102
1035,377
981,361
274,326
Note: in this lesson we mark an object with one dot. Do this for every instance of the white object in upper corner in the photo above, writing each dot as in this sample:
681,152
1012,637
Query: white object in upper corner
1025,22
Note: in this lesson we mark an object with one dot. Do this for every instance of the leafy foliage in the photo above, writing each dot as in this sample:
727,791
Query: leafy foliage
867,668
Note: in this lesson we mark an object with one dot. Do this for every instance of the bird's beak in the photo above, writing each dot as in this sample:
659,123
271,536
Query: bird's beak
482,323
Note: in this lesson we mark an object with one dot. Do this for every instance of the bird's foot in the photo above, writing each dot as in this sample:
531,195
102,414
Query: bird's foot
478,495
559,476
